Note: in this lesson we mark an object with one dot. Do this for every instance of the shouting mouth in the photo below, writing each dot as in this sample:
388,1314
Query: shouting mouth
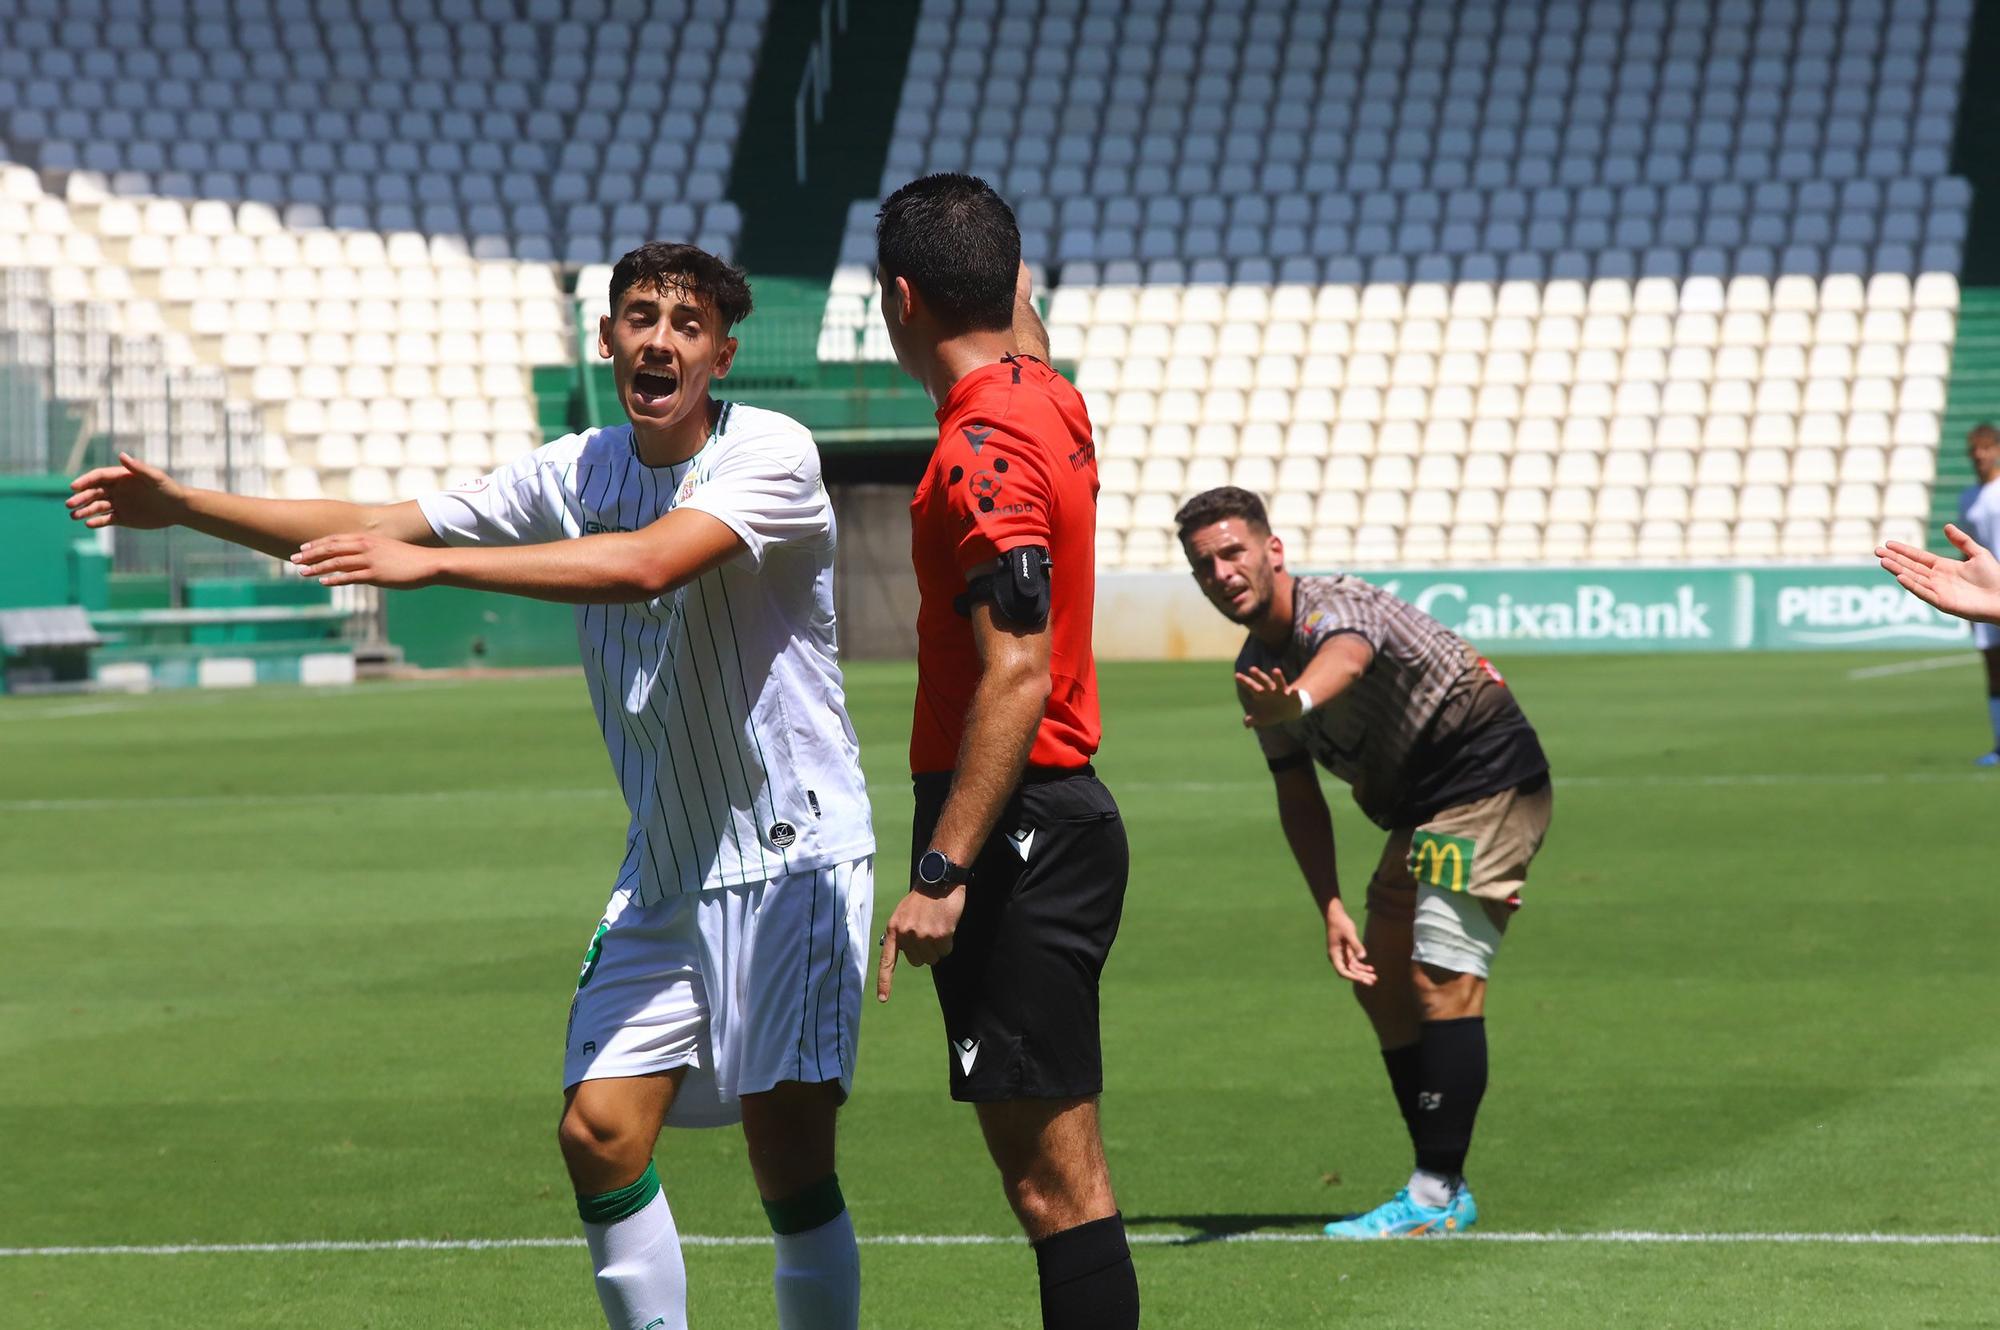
652,388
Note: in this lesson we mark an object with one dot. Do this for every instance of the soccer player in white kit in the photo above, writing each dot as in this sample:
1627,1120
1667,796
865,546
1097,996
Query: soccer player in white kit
1979,516
724,980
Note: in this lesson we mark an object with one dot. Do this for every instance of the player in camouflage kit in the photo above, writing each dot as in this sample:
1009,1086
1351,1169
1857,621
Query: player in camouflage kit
1340,672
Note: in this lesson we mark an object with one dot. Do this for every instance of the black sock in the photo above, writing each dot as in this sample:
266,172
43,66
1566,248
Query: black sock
1087,1278
1405,1066
1452,1081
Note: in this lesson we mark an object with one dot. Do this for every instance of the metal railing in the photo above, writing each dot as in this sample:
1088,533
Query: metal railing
74,393
817,79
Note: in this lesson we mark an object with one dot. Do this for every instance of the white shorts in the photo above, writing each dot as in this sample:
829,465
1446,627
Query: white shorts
1455,931
744,986
1986,636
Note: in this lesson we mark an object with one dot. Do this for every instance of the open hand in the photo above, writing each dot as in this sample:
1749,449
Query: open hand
133,494
1344,949
1267,699
921,929
1968,587
366,560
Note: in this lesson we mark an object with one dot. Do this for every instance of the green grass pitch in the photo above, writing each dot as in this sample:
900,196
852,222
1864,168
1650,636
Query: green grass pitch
287,966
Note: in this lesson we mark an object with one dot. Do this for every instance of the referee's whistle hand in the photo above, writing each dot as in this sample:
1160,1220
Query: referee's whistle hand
920,930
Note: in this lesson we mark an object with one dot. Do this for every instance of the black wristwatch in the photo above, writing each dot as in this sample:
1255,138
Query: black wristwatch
935,869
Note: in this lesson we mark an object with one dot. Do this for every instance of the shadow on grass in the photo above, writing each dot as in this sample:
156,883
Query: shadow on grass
1220,1228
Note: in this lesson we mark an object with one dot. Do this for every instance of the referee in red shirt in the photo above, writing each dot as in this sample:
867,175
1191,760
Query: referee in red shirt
1019,853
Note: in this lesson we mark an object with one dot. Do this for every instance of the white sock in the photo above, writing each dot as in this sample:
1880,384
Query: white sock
818,1277
1432,1189
641,1279
1993,710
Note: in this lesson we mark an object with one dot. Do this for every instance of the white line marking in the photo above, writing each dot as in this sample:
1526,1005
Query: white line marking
322,798
1736,779
1914,666
1630,1237
1727,780
115,703
347,798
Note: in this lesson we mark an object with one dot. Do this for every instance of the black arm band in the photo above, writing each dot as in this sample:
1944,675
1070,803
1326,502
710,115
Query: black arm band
1017,589
1280,765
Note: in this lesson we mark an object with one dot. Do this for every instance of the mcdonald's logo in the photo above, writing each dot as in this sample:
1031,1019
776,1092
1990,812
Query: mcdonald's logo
1441,861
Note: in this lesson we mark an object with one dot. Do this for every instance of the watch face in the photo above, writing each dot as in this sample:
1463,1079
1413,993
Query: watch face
933,866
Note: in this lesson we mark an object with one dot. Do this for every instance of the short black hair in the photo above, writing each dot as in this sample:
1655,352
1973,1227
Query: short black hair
954,240
1220,504
658,265
1985,428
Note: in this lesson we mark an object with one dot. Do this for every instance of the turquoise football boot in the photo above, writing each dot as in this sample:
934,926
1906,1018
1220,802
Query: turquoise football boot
1401,1217
1463,1212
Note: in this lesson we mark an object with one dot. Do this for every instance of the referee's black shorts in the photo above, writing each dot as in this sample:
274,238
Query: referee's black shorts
1019,990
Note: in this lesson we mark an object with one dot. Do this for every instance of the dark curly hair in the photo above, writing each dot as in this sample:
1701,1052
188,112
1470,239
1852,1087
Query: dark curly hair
1217,505
659,265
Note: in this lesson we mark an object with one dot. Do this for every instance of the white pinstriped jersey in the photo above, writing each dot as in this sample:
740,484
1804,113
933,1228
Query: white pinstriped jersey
721,703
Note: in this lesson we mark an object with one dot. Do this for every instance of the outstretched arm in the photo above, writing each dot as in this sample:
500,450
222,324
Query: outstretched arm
139,495
1269,699
606,569
1968,587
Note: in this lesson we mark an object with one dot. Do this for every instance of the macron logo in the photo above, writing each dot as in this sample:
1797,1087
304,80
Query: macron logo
968,1053
976,437
1023,842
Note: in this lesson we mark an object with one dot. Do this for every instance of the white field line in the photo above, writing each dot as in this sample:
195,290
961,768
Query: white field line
112,701
1960,658
1618,1237
348,798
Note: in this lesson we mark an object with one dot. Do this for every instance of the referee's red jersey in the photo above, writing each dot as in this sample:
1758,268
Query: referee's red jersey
1014,465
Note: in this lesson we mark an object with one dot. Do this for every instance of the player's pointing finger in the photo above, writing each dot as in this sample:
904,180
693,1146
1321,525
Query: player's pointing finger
885,973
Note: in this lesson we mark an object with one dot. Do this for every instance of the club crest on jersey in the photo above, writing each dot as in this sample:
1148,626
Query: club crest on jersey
783,834
686,490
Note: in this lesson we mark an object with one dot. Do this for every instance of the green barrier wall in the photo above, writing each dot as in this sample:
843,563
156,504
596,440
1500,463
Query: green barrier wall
445,628
1676,609
240,592
35,539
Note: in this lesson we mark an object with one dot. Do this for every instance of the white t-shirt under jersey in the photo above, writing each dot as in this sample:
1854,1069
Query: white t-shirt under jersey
721,703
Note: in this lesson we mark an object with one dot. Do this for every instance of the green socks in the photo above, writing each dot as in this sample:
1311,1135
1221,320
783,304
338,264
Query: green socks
628,1200
806,1210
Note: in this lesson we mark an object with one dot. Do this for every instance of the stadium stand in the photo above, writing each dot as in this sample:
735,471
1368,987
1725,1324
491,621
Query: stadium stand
144,389
1468,282
1454,281
359,215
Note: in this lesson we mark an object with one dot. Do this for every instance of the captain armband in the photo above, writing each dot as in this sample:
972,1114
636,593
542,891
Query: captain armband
1016,585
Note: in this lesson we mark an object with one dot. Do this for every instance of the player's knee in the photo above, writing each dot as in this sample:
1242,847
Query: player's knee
595,1142
1043,1202
1447,995
1058,1189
